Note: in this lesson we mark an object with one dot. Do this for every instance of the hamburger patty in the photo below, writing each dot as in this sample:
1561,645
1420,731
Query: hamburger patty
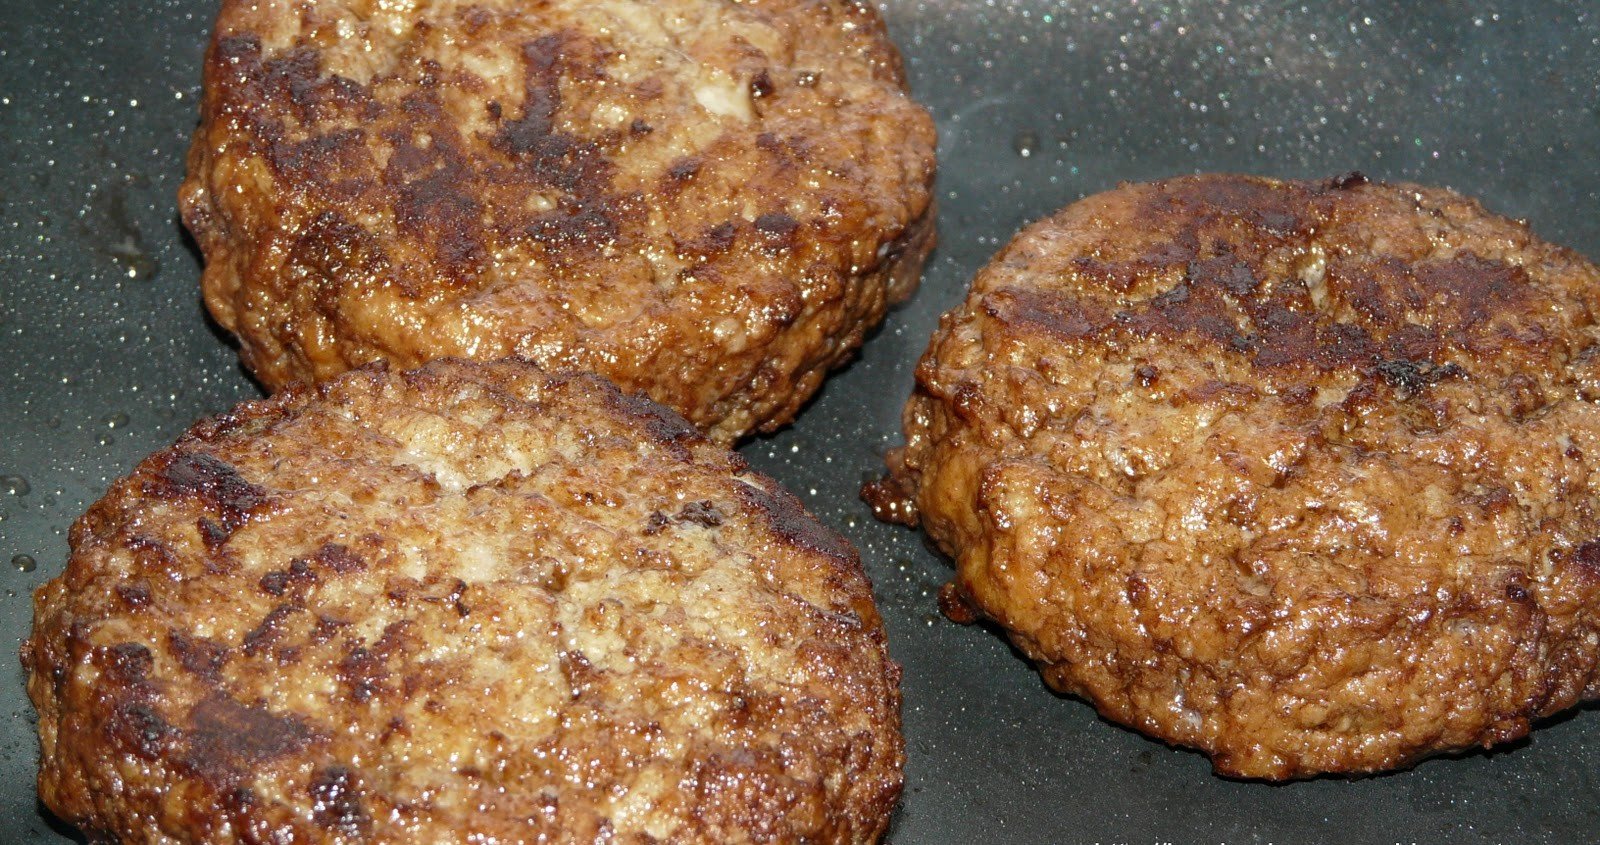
709,201
1299,475
470,602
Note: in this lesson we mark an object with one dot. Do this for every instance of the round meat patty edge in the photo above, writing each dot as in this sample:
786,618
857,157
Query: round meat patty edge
1296,474
355,612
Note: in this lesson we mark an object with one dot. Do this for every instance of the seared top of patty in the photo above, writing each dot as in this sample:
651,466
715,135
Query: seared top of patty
686,196
1297,473
468,600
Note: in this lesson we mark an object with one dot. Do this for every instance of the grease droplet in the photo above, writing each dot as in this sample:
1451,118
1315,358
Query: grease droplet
105,440
16,485
1026,143
116,420
131,256
24,563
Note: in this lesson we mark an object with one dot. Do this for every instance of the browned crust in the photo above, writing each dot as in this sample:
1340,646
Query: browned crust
466,601
1294,473
709,202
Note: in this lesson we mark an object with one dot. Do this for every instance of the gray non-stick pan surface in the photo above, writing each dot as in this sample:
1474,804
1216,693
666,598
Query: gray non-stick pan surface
106,355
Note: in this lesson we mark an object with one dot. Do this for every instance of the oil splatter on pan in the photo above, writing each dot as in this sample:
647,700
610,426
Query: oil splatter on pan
106,354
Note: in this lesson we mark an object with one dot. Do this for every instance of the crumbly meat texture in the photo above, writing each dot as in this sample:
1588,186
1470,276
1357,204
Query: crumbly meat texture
1301,475
468,603
709,201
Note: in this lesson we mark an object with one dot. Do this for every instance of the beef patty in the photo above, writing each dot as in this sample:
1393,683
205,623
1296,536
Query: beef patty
705,200
470,602
1301,475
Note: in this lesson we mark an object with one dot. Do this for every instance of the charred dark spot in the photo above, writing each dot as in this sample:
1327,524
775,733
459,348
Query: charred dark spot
1278,222
1146,375
1187,309
232,49
295,73
713,242
777,229
1171,298
1227,393
212,533
1118,276
134,593
333,246
1412,342
338,558
365,671
218,485
457,591
761,85
394,727
279,582
1476,288
1287,337
1224,272
1495,500
136,726
790,521
684,169
230,740
1416,376
577,670
1060,316
1587,556
125,664
1298,395
1524,396
266,634
199,656
661,424
435,202
702,513
1208,202
639,127
275,583
321,158
576,223
240,799
1343,345
336,802
326,628
551,159
1346,181
1136,589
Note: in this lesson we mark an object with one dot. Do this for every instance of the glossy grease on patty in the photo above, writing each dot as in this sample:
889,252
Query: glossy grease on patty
469,602
1297,474
708,201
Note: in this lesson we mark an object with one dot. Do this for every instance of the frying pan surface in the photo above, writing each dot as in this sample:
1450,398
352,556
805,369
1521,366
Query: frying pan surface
105,353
